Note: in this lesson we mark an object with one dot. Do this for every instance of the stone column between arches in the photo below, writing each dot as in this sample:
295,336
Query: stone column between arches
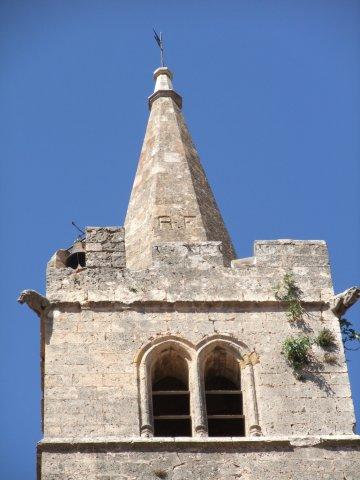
146,414
197,399
251,412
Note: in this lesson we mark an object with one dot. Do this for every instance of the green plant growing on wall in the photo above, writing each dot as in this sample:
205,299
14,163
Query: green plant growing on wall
349,334
296,351
325,339
290,293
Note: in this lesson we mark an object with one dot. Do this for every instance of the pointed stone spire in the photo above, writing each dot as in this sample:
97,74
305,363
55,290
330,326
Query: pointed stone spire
171,200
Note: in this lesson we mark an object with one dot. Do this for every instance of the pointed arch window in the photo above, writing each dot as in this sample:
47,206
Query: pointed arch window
223,394
170,394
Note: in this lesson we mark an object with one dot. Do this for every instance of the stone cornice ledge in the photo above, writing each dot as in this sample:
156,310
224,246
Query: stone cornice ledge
165,93
86,304
133,442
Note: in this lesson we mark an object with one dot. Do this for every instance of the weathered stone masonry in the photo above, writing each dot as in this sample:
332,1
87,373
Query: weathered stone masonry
165,297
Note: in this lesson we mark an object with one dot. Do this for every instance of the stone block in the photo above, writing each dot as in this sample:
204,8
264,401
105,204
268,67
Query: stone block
105,234
105,247
185,255
298,252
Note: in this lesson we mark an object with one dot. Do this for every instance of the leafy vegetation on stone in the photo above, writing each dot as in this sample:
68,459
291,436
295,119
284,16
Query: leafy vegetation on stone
325,339
296,351
290,293
349,334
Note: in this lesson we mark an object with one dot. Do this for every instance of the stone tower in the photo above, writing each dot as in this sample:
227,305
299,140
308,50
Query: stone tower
162,354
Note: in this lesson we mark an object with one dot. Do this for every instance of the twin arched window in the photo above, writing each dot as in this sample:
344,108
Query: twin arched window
183,393
224,402
171,395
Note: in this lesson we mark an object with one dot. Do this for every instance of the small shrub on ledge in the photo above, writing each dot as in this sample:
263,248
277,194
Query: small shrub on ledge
325,339
290,293
296,351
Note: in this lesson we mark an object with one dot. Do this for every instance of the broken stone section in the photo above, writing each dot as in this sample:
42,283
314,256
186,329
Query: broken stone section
101,247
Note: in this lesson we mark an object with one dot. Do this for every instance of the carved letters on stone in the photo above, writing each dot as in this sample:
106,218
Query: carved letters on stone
189,221
165,223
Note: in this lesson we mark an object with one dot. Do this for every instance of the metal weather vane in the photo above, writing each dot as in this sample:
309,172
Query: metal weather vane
159,41
82,233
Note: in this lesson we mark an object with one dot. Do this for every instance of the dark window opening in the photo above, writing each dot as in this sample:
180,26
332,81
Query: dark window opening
169,383
75,260
173,427
214,382
226,427
170,396
224,403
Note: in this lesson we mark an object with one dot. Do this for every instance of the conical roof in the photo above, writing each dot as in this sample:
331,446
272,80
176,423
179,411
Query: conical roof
171,200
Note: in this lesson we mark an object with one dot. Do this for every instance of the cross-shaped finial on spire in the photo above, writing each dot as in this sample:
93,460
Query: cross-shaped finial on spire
159,41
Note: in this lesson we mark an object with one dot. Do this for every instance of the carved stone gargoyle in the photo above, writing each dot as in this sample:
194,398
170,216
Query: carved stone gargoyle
343,301
35,301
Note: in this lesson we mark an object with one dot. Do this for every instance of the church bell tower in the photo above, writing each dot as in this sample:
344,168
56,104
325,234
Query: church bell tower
165,356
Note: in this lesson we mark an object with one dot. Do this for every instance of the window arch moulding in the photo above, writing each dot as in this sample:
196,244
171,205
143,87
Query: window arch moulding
227,365
164,387
147,360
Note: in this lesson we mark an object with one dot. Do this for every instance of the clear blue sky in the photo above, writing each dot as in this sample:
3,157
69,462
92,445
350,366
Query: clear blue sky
271,95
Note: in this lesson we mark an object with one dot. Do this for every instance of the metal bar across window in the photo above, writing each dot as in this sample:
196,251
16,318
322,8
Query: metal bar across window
171,417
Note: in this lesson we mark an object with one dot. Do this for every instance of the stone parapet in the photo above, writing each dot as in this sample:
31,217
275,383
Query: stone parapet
190,272
186,255
291,253
208,285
